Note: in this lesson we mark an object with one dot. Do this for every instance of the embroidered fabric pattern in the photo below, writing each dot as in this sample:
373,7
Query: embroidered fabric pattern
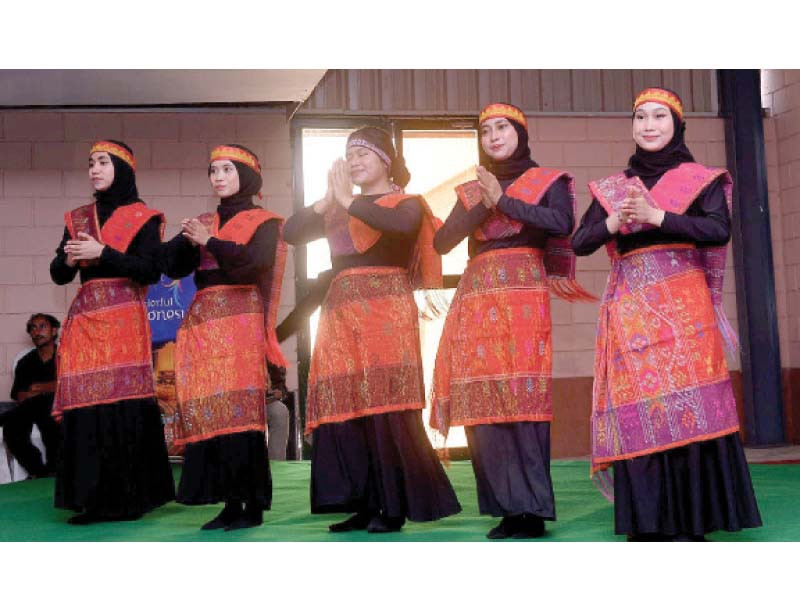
220,373
119,229
366,358
425,264
104,355
661,379
240,229
675,192
495,354
530,187
337,232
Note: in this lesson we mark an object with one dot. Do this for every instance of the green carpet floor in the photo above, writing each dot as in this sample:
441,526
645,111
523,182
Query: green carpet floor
26,513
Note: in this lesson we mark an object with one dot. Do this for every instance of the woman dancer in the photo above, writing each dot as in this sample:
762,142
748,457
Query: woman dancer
664,416
494,360
225,341
371,455
114,462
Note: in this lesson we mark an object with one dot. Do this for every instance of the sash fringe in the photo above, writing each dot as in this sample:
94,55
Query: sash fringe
729,336
570,290
604,482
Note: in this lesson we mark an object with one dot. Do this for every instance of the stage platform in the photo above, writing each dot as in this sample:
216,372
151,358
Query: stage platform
27,513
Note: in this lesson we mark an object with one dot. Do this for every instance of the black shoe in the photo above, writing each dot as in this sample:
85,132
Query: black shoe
383,524
649,537
529,526
689,538
251,517
357,522
84,518
231,512
128,517
506,528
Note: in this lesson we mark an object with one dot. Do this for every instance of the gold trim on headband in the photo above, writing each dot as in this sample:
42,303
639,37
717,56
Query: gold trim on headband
493,111
660,96
237,154
116,150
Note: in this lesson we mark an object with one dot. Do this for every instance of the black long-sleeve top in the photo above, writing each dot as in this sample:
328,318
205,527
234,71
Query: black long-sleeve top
399,226
706,222
32,369
238,263
138,262
553,216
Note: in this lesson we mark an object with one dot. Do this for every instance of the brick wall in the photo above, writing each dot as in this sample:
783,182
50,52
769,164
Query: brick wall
781,94
43,173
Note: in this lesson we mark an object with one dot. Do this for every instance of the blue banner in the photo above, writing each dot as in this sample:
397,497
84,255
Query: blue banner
167,303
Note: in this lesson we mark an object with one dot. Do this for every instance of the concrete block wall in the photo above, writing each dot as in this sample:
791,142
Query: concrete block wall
781,95
43,174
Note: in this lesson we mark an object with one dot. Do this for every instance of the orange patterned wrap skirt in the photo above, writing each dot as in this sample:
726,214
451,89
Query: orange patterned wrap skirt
366,358
220,364
105,351
494,361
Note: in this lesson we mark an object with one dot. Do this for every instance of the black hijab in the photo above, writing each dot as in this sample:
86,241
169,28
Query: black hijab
249,185
516,164
647,164
122,190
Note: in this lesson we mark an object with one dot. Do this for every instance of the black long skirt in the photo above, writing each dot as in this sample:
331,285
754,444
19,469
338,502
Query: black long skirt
114,461
227,468
511,462
381,463
691,490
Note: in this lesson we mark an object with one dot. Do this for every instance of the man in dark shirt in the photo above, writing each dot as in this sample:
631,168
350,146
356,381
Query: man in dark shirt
34,390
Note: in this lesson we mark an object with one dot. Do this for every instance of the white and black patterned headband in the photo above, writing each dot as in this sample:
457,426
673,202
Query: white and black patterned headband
370,146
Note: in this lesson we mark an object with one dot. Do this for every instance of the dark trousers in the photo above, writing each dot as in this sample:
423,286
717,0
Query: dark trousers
17,424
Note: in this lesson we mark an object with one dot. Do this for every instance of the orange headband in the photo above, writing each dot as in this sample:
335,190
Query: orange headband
493,111
115,149
660,96
237,154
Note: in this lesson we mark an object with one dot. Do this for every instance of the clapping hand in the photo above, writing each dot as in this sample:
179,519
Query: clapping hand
195,232
491,191
85,247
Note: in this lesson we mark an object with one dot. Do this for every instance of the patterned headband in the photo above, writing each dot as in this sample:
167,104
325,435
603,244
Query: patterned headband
493,111
237,154
115,149
370,146
660,96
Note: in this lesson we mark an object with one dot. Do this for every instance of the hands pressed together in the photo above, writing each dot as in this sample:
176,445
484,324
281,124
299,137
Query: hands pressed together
634,209
197,233
340,188
85,247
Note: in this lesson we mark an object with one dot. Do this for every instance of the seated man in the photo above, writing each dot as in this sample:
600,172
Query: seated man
33,390
277,413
